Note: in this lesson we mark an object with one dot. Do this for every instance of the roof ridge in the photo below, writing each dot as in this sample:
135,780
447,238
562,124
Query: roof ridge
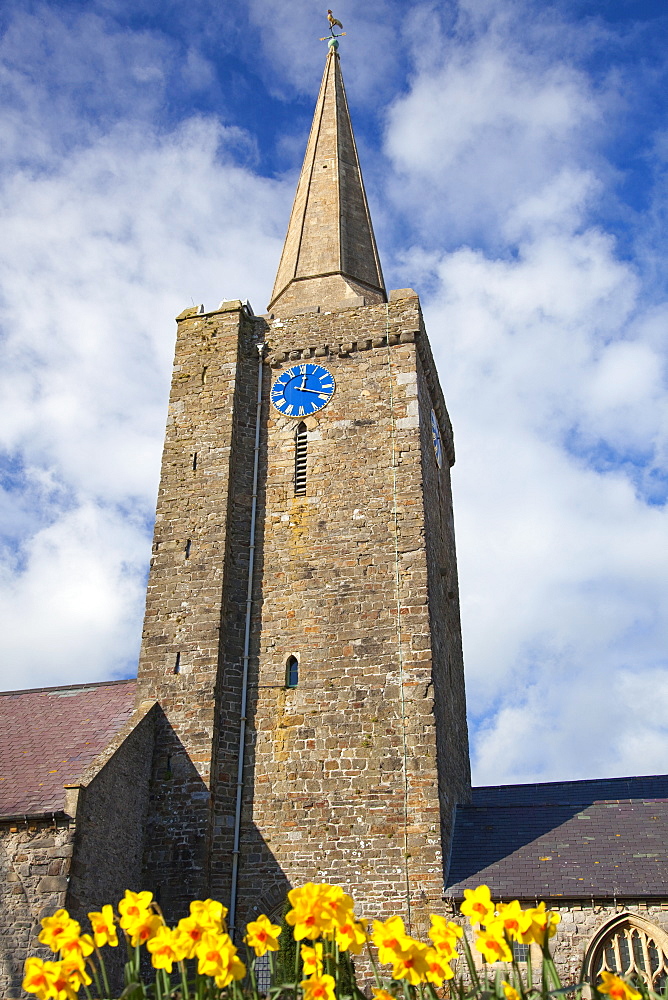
567,781
69,687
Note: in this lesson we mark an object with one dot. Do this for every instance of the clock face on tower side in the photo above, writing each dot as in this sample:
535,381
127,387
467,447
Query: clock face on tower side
436,438
302,389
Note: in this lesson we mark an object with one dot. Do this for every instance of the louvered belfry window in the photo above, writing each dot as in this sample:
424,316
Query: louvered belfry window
630,950
300,460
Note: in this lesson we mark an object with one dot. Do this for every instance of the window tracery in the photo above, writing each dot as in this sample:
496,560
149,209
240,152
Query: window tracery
633,948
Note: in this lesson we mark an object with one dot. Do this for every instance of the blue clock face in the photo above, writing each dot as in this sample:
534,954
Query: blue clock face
436,438
302,390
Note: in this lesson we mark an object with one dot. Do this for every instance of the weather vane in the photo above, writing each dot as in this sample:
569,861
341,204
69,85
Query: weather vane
332,36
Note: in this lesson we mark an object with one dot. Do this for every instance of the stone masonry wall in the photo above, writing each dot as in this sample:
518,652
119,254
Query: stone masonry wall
179,661
341,778
449,711
110,826
34,868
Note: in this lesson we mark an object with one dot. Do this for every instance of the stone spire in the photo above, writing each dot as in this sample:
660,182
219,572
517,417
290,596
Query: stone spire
329,258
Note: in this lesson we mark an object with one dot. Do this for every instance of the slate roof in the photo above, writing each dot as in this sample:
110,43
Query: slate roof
49,736
605,838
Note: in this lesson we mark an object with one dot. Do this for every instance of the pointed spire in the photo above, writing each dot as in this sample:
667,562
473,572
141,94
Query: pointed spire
329,257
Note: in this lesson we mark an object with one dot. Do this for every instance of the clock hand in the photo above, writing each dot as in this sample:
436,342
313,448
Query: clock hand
316,391
303,382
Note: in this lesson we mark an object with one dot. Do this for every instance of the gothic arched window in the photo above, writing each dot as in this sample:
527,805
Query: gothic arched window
630,946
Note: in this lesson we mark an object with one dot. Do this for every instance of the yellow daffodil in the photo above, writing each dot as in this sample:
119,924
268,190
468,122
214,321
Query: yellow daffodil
193,931
166,947
77,949
438,969
381,994
104,927
134,907
209,913
351,935
144,928
493,946
515,921
36,977
388,937
57,928
313,910
217,957
444,935
318,988
411,963
477,905
509,992
338,903
312,959
262,935
617,988
61,986
543,923
75,971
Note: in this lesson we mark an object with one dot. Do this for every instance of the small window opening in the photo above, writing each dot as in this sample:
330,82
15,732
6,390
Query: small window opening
300,460
195,462
520,951
177,664
188,544
204,371
292,672
263,973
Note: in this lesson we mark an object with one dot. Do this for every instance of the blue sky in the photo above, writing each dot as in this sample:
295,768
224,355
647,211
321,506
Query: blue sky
515,156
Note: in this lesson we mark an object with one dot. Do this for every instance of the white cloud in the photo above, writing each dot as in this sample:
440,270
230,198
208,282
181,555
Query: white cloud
99,254
555,373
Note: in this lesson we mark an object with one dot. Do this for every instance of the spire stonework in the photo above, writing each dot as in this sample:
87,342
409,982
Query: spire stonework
329,258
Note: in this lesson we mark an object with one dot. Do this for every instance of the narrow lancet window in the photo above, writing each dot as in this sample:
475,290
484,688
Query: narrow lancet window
300,460
292,672
188,544
177,664
194,461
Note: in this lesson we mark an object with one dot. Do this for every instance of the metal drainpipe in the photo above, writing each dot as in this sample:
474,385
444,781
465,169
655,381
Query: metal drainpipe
244,680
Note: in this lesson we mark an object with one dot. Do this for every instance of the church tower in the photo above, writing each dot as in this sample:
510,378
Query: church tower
302,630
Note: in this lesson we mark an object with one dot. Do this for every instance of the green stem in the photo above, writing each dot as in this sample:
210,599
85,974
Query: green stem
184,980
374,965
475,979
297,956
336,967
103,970
251,972
91,965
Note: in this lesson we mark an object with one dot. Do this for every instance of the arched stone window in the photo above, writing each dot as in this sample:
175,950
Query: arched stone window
629,946
292,672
